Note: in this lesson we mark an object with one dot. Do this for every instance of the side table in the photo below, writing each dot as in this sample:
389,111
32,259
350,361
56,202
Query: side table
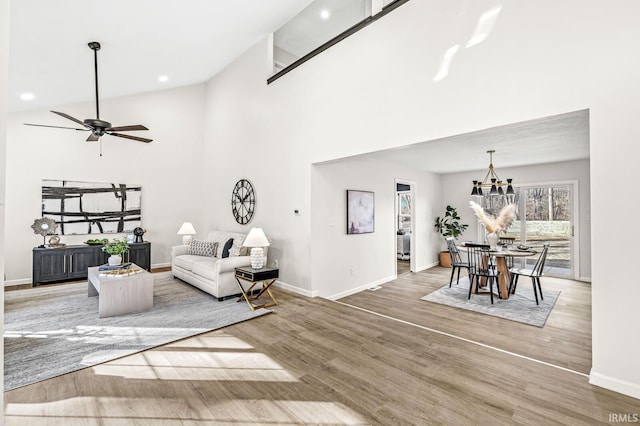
266,276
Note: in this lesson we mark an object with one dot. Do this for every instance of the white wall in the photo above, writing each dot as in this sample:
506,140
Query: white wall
169,168
343,264
375,90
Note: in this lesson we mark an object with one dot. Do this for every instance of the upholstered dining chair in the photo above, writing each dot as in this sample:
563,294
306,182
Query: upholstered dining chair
479,267
456,260
534,274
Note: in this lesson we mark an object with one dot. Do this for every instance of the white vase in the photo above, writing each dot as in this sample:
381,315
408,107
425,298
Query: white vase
115,259
492,239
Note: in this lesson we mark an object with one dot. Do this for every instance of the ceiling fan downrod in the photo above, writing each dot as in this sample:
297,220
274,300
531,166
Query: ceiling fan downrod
95,46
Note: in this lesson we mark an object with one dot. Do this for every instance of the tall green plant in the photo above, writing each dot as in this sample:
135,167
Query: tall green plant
449,225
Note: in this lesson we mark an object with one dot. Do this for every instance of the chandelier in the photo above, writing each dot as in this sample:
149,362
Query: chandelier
492,182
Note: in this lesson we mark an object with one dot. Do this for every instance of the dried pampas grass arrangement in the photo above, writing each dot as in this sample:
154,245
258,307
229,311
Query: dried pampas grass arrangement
495,224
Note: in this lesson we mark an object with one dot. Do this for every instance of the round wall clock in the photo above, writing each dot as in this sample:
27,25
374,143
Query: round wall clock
243,201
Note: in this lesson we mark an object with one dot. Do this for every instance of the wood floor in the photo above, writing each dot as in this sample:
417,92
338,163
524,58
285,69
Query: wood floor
314,361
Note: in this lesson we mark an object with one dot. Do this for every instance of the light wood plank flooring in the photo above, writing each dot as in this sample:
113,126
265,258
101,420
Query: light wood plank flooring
314,361
403,266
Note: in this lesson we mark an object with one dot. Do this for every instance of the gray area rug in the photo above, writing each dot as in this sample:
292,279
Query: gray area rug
520,307
55,330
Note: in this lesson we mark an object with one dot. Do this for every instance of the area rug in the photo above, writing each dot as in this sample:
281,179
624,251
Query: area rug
53,330
520,307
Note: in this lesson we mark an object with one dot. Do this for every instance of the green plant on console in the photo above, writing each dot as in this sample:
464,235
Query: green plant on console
117,247
449,225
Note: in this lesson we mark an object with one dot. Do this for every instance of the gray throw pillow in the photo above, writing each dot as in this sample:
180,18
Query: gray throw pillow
203,248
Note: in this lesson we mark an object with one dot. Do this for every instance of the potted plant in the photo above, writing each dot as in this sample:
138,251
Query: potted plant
116,249
449,226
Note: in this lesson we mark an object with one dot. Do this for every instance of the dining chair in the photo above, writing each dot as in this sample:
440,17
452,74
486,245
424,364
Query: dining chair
479,267
456,260
507,242
534,274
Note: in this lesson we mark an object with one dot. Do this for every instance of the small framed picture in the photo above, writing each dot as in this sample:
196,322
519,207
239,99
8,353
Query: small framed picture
130,238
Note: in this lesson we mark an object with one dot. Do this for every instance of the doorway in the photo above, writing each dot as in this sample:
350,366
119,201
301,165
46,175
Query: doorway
404,226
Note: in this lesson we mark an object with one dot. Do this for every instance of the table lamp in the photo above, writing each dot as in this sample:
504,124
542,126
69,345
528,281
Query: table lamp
256,240
187,230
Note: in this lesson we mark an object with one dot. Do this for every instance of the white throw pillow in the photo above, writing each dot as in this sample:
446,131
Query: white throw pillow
237,249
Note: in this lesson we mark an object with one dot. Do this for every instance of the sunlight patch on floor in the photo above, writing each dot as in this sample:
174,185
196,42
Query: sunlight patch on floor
109,410
197,365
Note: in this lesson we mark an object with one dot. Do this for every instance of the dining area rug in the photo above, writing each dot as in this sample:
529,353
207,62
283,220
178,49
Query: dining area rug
519,307
53,330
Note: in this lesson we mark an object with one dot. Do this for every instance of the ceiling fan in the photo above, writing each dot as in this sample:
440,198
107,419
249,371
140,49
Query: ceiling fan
96,126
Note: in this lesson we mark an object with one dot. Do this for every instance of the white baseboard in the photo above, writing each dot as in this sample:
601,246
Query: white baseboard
294,289
616,385
160,265
21,281
360,288
429,266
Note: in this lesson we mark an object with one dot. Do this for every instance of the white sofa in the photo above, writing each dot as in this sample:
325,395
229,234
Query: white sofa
214,275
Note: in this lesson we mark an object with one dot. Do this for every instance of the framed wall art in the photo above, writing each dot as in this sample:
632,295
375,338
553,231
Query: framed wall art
360,212
91,207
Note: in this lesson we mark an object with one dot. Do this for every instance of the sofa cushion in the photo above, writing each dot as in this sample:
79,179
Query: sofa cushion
206,269
186,261
203,248
225,249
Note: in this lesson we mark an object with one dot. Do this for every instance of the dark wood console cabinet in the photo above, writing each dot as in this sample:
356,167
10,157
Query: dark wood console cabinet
72,262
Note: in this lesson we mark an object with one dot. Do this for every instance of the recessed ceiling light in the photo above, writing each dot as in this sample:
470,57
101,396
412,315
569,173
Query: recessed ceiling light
163,79
27,96
325,14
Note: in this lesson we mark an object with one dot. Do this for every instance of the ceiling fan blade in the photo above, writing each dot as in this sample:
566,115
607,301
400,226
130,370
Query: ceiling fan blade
135,138
67,116
127,128
55,127
93,137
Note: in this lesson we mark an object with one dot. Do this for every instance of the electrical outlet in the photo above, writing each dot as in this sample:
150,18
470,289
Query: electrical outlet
275,263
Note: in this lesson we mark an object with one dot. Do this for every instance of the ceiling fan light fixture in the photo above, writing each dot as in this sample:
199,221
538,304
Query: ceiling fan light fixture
97,126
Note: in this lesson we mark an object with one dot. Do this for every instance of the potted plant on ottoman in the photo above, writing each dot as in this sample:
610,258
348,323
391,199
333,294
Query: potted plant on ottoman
449,226
116,249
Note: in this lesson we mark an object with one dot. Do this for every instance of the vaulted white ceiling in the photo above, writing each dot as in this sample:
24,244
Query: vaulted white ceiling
189,41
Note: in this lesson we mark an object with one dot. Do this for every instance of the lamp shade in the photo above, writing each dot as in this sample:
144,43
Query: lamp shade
256,238
187,229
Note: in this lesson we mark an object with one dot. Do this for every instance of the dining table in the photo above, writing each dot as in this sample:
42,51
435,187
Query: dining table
501,255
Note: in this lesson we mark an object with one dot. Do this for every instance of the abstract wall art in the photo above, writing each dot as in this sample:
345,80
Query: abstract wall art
91,207
360,212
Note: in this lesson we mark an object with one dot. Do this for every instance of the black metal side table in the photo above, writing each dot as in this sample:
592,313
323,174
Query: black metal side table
266,276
